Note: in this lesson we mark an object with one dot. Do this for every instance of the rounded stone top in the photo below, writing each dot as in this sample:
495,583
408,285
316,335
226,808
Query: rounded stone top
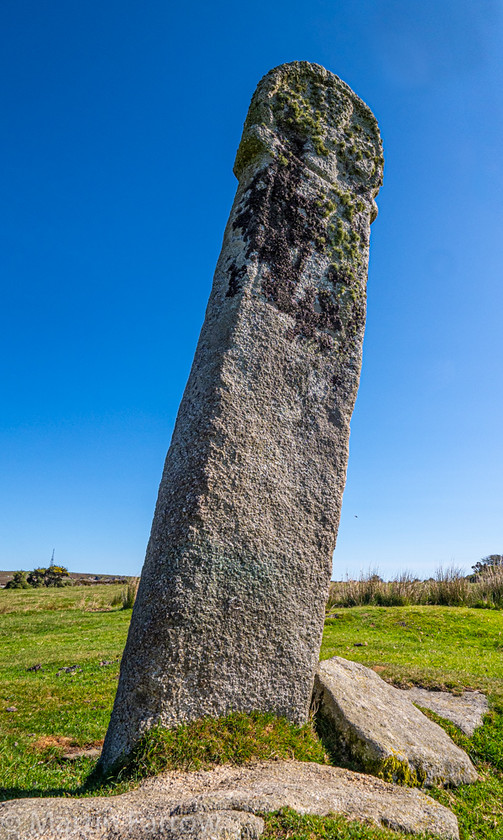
302,109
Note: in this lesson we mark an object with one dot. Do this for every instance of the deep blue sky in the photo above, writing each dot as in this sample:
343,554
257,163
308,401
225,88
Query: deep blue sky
120,125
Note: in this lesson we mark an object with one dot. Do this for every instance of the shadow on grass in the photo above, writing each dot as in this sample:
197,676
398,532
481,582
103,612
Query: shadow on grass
155,753
94,783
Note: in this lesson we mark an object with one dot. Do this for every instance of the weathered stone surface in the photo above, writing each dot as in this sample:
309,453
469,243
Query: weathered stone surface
119,818
380,728
466,710
230,607
210,803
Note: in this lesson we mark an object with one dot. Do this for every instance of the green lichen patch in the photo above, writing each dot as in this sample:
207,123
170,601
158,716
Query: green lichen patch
397,770
250,149
299,115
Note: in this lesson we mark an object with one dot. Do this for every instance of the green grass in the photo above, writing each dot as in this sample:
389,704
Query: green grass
287,825
435,647
453,647
203,744
55,628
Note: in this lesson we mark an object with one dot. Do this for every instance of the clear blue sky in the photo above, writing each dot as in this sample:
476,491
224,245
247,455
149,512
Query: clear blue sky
120,125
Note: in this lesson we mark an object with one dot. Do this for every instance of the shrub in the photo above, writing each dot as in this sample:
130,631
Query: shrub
488,562
36,577
52,576
56,576
18,581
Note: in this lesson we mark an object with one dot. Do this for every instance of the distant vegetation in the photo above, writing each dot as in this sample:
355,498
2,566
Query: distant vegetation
127,596
449,588
51,576
41,577
492,561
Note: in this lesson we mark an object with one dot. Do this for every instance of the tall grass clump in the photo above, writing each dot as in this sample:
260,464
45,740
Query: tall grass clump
488,587
449,588
129,593
402,591
355,593
371,590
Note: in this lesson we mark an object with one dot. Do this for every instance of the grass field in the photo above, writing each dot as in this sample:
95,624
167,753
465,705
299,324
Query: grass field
54,711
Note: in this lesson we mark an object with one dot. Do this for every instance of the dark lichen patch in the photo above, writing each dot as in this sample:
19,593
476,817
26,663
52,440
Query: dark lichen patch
235,277
283,228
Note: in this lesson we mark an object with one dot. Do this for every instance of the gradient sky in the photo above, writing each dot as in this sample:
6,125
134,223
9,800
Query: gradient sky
120,125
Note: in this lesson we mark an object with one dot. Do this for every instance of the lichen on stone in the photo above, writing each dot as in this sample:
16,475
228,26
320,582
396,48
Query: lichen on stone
308,178
397,770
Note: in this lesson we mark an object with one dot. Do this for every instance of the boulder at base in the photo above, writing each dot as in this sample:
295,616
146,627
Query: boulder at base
221,804
377,726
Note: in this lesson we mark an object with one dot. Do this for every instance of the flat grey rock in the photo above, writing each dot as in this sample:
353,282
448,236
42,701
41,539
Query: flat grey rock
379,727
222,803
126,817
466,710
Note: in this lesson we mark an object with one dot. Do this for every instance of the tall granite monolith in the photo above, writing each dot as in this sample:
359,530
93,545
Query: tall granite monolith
230,607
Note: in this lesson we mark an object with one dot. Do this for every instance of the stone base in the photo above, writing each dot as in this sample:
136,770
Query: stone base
221,804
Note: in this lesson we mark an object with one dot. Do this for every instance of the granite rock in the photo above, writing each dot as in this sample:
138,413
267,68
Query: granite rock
222,804
230,607
379,728
466,710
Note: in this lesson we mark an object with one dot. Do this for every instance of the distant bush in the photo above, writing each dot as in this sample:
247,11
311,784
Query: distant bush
18,581
489,562
39,577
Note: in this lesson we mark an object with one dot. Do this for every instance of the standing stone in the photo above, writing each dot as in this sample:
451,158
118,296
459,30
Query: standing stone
230,608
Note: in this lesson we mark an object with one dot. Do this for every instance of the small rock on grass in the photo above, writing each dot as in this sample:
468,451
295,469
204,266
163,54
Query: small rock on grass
375,725
466,711
71,669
